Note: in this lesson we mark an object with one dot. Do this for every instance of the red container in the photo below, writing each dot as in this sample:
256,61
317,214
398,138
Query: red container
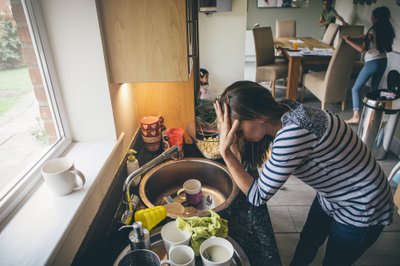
175,137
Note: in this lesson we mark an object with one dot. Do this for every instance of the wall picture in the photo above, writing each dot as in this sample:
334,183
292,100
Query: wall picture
282,3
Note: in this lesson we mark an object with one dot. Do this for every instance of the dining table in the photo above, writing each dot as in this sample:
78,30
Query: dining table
301,51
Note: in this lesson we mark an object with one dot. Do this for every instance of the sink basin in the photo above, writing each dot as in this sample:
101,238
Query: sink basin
218,187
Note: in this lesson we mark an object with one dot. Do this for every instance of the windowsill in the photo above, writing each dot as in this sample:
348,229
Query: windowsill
42,226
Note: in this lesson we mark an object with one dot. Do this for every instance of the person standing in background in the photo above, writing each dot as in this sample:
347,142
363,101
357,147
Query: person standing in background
377,42
329,15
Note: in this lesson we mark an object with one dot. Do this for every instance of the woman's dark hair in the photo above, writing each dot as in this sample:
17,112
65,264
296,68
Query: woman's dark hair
384,31
203,72
248,100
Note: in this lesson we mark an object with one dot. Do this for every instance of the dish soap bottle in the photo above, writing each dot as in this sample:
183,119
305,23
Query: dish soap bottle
139,237
132,164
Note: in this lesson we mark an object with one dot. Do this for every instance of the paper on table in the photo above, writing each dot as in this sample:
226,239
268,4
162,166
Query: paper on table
298,41
323,49
294,54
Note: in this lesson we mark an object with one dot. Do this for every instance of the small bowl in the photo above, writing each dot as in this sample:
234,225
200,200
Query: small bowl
208,147
207,144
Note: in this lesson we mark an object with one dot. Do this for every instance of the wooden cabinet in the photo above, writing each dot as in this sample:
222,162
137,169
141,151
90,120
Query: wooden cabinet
145,40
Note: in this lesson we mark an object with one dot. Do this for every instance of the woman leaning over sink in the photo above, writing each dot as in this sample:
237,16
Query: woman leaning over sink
353,201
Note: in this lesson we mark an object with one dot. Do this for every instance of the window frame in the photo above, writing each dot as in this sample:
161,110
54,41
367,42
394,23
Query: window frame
24,185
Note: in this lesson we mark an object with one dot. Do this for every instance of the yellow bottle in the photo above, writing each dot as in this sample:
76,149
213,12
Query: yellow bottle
152,216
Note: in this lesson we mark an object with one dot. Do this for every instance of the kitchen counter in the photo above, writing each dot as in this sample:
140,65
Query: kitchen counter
249,226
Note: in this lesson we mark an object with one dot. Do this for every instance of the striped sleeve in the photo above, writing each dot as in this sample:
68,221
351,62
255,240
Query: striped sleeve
290,147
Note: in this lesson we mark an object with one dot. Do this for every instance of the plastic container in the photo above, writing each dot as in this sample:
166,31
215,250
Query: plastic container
132,165
152,216
175,137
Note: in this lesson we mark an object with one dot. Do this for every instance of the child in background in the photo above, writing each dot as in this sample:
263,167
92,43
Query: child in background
377,42
204,84
206,93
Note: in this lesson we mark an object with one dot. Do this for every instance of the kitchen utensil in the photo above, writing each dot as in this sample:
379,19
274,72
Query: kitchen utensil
140,257
152,216
239,257
180,255
192,189
216,251
173,236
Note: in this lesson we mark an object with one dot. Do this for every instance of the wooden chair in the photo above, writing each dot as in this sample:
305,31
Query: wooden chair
354,31
268,68
330,33
351,30
330,86
285,28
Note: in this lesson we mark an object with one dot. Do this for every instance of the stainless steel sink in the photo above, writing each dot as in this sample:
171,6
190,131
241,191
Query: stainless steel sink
166,179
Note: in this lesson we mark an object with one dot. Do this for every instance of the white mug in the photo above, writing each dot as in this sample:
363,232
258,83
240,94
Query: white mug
216,251
180,255
60,176
173,236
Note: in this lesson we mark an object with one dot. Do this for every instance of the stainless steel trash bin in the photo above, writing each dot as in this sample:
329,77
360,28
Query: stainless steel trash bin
378,122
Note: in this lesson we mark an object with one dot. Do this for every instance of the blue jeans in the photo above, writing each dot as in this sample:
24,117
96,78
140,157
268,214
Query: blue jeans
374,69
346,243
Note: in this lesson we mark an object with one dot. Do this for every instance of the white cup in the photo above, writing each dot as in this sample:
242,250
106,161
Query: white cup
216,251
180,256
173,236
60,176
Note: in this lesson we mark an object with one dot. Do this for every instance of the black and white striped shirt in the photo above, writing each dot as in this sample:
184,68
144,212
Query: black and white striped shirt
321,150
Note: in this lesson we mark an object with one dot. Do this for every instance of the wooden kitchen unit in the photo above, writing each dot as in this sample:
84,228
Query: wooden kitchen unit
145,41
150,48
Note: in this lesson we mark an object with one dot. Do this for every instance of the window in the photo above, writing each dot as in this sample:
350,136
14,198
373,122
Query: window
31,120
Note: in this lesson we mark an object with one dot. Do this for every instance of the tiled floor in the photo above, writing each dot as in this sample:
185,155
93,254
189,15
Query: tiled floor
289,207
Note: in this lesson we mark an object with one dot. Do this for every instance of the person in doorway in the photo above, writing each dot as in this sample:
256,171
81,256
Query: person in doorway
206,93
353,201
329,15
377,42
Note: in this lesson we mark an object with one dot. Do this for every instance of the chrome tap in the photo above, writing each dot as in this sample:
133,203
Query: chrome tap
159,159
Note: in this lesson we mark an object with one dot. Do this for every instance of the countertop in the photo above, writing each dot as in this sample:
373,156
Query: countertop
249,226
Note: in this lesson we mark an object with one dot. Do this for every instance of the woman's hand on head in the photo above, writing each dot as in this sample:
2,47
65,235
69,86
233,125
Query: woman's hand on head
227,131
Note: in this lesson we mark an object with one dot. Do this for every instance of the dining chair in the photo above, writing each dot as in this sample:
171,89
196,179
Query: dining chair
330,86
285,28
268,67
330,33
353,31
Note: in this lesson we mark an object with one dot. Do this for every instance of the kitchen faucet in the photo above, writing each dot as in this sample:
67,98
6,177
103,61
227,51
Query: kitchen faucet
159,159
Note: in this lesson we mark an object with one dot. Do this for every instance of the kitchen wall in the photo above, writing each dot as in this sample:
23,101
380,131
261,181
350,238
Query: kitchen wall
222,45
307,17
361,14
75,40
